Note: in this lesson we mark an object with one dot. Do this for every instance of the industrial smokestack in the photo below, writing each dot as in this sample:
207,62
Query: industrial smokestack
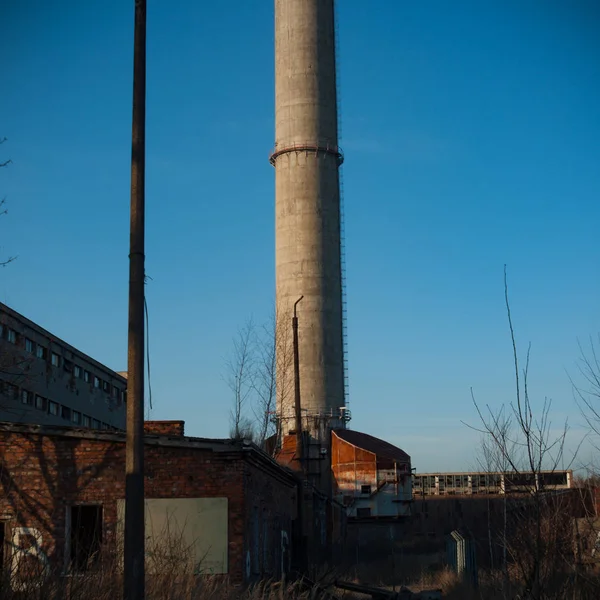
307,211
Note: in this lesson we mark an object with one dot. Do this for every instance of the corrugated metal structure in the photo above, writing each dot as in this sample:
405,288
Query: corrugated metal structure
371,477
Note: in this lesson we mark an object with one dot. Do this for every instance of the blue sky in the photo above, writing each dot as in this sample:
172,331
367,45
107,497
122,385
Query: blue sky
471,138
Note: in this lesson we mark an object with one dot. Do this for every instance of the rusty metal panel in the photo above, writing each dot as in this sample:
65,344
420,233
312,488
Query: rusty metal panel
193,529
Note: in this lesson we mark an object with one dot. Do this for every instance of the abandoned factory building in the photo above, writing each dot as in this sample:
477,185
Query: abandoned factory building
63,495
372,477
45,380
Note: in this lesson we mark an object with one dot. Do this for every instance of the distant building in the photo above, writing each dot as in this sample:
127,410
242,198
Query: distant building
371,477
460,484
46,381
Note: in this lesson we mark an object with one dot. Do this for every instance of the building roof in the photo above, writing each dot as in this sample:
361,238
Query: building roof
382,449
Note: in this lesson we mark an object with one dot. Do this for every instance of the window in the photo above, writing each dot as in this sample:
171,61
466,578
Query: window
54,359
365,489
77,371
115,392
40,403
29,345
363,512
87,377
65,413
40,351
68,366
85,537
10,390
96,382
105,426
124,396
85,420
76,417
95,424
26,397
106,386
53,408
12,336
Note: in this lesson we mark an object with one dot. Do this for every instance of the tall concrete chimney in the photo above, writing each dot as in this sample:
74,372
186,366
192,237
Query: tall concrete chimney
307,214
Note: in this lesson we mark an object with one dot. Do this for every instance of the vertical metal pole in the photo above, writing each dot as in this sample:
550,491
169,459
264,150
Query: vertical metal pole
297,407
134,572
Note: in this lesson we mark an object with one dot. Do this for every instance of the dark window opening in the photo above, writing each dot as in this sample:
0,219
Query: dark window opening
86,537
365,489
363,512
65,413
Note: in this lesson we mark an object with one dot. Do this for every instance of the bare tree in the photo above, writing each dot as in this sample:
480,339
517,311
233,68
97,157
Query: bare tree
259,373
521,443
587,393
3,210
264,381
239,376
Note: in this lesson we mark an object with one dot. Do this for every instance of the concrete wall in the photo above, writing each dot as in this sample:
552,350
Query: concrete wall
33,387
307,207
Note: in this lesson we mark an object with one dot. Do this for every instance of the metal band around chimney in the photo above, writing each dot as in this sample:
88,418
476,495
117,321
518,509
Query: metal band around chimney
333,150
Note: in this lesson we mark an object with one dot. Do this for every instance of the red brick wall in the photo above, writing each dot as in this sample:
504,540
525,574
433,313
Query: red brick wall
42,475
270,508
170,428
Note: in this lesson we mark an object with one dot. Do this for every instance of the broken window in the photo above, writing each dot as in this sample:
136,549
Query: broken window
86,537
40,402
365,489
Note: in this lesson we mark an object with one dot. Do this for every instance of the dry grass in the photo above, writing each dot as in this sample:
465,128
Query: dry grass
101,586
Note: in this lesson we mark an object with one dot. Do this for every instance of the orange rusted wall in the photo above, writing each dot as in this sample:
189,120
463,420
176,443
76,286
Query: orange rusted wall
352,467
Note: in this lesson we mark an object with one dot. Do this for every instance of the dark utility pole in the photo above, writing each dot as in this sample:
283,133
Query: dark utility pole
134,574
297,407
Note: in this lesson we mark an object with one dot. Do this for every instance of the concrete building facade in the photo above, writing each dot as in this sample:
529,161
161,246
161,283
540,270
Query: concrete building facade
306,158
47,381
471,483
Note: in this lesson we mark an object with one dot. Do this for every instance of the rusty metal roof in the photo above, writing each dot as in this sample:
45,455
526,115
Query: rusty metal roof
382,449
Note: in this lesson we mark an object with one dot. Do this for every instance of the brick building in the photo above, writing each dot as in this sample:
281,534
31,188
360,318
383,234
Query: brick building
45,380
63,491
